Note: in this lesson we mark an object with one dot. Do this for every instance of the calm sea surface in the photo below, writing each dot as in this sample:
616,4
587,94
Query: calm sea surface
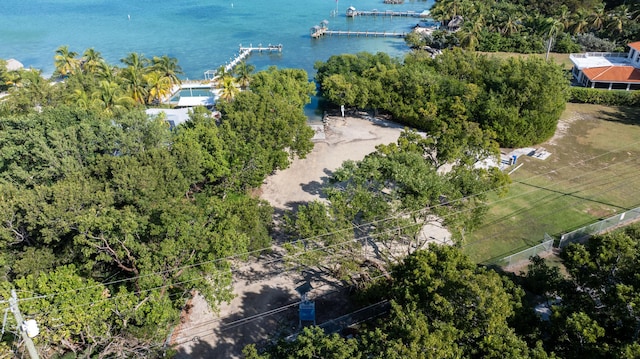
202,34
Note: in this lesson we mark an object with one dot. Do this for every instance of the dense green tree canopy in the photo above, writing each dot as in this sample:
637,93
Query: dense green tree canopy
527,26
443,306
111,218
519,100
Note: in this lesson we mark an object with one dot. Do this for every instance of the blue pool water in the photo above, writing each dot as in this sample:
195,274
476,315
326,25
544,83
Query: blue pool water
202,34
196,92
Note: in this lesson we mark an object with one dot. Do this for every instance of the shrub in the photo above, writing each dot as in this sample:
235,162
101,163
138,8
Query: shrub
591,42
604,97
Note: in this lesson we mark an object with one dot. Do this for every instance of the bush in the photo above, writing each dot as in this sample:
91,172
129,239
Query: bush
604,97
566,45
591,42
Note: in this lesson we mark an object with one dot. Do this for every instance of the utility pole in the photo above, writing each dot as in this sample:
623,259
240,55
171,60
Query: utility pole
13,305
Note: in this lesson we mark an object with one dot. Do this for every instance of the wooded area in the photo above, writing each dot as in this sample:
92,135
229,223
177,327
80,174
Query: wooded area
517,101
534,26
445,306
110,218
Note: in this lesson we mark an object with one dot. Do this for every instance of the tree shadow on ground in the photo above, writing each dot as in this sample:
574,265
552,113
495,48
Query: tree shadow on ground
265,315
315,187
199,350
625,115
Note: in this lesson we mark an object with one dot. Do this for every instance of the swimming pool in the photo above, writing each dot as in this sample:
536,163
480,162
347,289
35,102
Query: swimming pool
191,92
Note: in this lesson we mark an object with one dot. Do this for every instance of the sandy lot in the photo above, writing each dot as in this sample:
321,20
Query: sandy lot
265,302
349,138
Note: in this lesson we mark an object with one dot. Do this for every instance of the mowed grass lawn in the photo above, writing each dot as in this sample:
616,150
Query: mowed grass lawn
560,59
593,173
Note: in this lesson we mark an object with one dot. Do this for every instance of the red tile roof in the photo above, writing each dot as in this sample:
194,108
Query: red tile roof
613,73
635,45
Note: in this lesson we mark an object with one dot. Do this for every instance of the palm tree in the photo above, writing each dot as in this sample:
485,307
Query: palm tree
618,17
552,29
635,12
221,72
135,60
104,71
159,86
168,67
135,83
229,88
511,25
598,17
110,98
565,17
91,60
469,33
81,99
65,61
133,76
580,22
243,74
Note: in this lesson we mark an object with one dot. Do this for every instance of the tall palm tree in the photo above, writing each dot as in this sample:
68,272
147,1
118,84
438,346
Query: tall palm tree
565,17
511,25
159,86
221,72
135,83
65,61
580,22
469,33
104,71
229,88
598,17
135,60
243,74
618,17
133,76
110,98
91,60
552,29
81,99
168,67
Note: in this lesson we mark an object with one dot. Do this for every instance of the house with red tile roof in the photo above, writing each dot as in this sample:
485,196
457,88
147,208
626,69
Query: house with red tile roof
608,70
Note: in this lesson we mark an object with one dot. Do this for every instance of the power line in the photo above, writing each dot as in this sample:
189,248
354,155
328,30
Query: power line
399,215
304,239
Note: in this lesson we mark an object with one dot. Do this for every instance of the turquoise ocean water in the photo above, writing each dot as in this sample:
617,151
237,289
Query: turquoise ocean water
202,34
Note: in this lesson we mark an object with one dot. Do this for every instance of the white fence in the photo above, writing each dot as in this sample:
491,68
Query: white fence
522,256
599,227
571,237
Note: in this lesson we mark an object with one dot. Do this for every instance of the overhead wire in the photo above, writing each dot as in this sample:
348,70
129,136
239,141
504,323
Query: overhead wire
395,216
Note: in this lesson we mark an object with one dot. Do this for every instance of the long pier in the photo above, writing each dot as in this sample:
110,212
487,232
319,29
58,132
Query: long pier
324,31
354,13
364,33
243,53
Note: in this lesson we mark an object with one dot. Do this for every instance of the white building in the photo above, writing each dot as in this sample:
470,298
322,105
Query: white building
608,70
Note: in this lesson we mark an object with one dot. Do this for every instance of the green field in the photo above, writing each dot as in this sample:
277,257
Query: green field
592,173
561,59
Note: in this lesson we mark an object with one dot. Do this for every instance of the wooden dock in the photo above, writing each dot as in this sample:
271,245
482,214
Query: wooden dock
352,12
243,53
324,31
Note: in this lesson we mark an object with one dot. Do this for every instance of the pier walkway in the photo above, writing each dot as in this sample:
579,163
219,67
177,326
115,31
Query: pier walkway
210,75
352,12
243,53
324,31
